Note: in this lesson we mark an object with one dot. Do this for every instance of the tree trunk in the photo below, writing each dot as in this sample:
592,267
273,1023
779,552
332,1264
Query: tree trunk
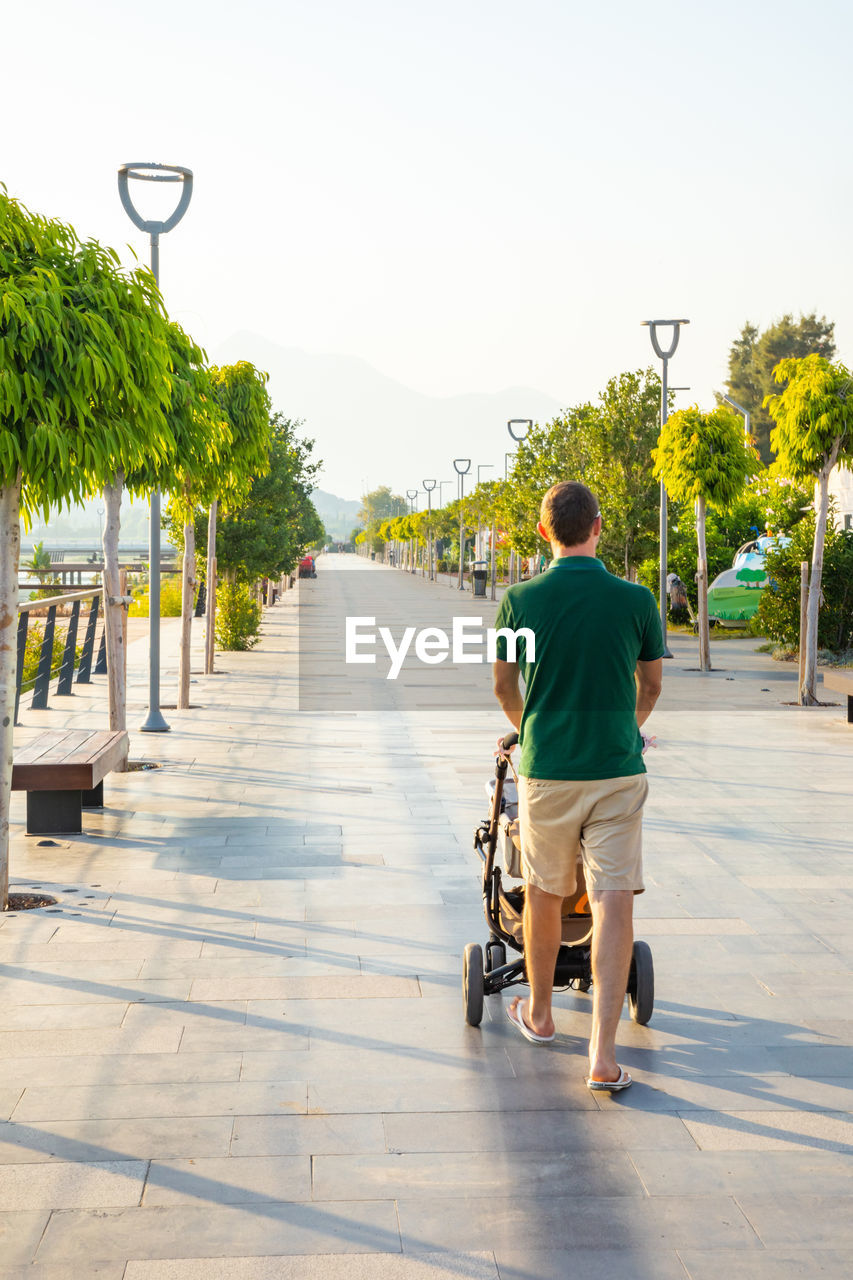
10,540
702,583
808,693
188,585
113,609
210,624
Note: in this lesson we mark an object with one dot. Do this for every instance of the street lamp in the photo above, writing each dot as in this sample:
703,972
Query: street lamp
461,466
664,355
412,494
429,485
740,410
441,485
481,466
519,429
145,172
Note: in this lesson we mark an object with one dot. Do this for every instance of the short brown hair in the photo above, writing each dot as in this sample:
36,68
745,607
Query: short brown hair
568,512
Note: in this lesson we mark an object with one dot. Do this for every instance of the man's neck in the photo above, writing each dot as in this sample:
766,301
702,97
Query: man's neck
587,548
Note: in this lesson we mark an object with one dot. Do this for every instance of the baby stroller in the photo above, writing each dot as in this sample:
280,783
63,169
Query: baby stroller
504,907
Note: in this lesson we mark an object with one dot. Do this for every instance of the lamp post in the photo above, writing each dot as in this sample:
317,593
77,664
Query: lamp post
519,429
441,485
429,485
741,410
412,494
145,172
664,355
461,466
481,466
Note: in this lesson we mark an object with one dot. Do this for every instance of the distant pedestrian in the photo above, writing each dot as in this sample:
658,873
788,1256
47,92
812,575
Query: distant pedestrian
582,780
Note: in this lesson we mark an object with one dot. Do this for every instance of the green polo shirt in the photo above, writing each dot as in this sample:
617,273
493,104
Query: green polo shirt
580,702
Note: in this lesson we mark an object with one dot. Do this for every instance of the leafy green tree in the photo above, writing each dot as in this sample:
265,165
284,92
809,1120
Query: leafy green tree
83,365
812,435
779,607
769,504
195,440
608,444
754,356
704,458
39,562
269,532
241,394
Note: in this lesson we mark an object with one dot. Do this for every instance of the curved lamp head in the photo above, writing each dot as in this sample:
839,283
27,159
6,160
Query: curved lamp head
462,466
675,325
149,172
428,485
526,423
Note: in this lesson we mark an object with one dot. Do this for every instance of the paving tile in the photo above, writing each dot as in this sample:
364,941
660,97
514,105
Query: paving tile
429,1094
543,1132
455,1175
364,1266
72,1186
805,1221
121,1069
339,986
63,1043
771,1130
307,1135
229,1181
101,1102
595,1264
739,1173
100,1140
220,1230
769,1264
626,1222
19,1236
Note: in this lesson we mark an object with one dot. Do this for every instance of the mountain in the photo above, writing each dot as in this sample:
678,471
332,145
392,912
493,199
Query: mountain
339,515
371,430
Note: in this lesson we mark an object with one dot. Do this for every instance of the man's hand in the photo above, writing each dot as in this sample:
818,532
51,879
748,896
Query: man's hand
502,750
648,741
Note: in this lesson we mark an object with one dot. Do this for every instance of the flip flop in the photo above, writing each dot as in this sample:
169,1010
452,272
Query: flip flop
610,1086
515,1017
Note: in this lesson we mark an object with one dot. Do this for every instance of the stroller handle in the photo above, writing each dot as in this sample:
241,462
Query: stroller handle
509,741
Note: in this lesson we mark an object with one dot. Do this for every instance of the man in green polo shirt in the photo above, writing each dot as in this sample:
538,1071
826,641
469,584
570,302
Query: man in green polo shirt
592,682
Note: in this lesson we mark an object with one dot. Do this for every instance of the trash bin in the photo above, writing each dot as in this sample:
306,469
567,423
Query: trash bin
373,555
479,574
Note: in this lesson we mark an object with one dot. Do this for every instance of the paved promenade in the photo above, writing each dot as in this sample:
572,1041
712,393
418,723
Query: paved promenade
236,1051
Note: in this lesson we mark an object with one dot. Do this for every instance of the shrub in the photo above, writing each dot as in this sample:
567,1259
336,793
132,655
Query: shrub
779,607
238,617
170,599
32,653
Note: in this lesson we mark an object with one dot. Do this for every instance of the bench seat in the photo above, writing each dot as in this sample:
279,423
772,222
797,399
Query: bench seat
62,772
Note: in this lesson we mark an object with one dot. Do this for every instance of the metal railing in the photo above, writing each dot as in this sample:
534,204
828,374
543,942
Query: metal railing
47,669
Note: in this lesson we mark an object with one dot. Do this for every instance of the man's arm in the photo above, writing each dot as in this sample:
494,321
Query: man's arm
507,691
649,681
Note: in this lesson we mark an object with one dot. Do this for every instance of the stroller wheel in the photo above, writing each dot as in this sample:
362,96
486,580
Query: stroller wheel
641,984
584,984
495,955
473,984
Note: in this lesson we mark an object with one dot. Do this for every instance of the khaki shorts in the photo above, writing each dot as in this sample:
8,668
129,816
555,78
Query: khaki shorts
599,821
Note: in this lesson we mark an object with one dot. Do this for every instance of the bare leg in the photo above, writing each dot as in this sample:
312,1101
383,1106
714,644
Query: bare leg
612,941
542,933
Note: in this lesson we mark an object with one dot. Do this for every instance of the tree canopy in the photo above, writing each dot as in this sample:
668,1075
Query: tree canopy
84,363
754,356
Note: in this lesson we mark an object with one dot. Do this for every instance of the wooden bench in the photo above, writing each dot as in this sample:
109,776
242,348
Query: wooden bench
63,773
842,682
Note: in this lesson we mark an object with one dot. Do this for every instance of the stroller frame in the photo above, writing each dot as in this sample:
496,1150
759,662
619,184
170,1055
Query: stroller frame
490,974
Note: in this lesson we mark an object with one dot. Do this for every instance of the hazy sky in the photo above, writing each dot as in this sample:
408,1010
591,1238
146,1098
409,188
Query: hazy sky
468,195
